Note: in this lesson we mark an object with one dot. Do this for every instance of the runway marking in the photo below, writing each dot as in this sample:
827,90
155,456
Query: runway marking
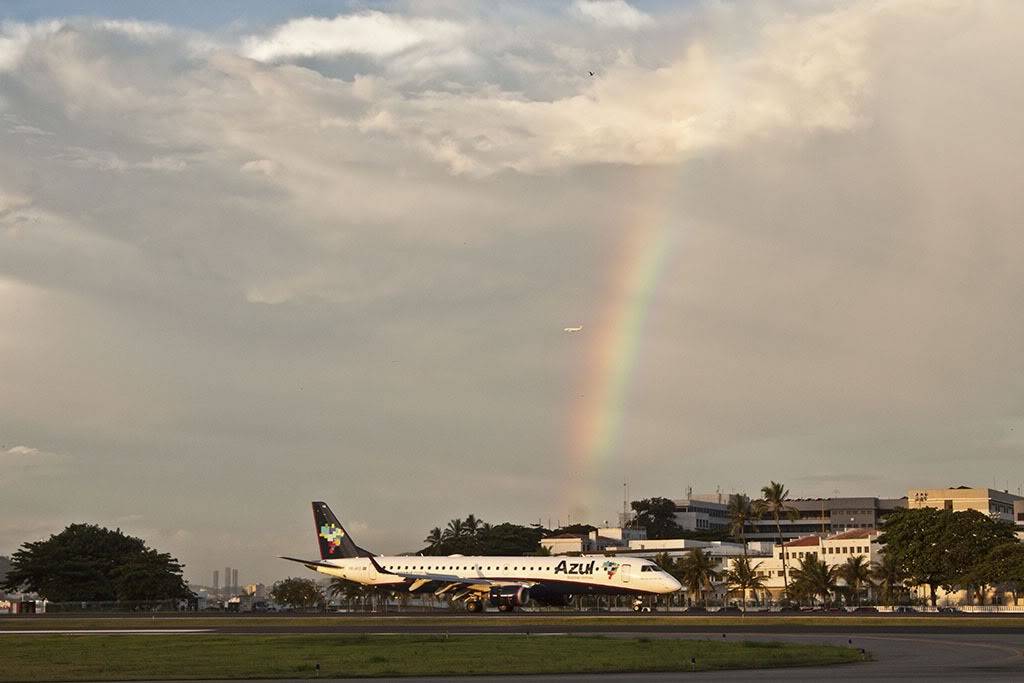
104,631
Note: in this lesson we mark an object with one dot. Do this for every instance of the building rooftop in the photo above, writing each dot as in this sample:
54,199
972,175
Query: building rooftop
853,533
806,540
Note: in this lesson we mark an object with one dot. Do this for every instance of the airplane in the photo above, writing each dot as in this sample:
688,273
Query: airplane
505,582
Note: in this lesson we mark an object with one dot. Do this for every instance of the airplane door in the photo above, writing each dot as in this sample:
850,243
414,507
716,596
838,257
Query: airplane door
624,571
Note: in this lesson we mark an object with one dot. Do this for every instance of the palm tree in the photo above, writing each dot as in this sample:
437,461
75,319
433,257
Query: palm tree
697,573
434,538
348,590
856,573
889,577
773,502
815,577
741,513
743,577
455,529
471,525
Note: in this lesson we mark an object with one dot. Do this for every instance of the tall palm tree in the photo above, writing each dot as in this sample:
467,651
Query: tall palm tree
697,573
434,538
889,577
741,513
815,577
743,577
471,525
455,529
856,573
774,502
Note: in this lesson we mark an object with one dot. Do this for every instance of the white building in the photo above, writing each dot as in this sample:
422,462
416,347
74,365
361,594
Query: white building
833,550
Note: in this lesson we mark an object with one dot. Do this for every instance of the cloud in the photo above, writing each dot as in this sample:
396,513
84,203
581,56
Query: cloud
611,14
214,260
22,451
375,34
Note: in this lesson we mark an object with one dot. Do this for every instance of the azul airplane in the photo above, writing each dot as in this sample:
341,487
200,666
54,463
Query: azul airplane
505,582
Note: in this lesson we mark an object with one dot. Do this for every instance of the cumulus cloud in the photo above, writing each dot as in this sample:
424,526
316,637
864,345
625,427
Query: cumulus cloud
375,34
611,13
352,231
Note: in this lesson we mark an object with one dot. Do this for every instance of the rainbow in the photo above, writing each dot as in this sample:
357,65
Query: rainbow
595,423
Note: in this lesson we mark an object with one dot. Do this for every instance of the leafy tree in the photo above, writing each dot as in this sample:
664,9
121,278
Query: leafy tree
743,577
657,516
1002,567
86,562
774,502
890,579
296,592
5,566
741,514
471,525
815,577
697,573
939,547
508,539
578,529
857,573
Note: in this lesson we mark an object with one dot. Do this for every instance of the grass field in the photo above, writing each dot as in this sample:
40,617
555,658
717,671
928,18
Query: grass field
244,622
126,657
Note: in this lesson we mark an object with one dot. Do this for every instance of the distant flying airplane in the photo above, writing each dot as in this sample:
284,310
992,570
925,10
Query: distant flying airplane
572,329
505,582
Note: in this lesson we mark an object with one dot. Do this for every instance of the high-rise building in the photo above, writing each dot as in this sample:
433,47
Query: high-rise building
234,579
216,580
227,578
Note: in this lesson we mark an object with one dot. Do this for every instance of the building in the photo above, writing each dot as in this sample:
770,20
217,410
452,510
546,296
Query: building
605,539
703,513
996,504
258,591
234,580
227,579
833,550
216,580
825,517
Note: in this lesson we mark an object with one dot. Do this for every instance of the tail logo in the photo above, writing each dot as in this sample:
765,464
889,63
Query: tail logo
333,535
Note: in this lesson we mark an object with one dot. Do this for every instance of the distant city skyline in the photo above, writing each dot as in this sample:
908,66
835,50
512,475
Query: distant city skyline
258,254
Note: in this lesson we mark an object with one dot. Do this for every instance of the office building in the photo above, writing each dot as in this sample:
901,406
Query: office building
996,504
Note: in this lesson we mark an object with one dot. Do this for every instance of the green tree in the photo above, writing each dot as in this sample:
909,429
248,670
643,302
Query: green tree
434,539
774,502
657,516
856,572
696,573
815,577
890,579
86,562
741,514
939,547
295,592
743,577
471,525
343,589
1002,567
455,529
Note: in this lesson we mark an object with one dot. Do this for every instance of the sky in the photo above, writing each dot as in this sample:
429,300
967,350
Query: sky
255,254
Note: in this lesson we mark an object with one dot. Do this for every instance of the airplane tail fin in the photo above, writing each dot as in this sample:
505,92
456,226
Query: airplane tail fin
335,543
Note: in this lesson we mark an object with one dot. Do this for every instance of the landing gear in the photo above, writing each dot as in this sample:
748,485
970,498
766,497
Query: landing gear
506,608
474,606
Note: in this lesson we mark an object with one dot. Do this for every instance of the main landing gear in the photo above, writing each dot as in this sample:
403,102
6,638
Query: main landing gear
474,606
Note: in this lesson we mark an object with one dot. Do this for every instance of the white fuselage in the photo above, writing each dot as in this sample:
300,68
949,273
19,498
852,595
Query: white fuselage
606,574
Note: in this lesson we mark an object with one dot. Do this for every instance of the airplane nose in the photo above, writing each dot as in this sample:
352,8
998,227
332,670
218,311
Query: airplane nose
673,584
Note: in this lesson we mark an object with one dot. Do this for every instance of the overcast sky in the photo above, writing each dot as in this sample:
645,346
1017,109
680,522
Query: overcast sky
256,254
